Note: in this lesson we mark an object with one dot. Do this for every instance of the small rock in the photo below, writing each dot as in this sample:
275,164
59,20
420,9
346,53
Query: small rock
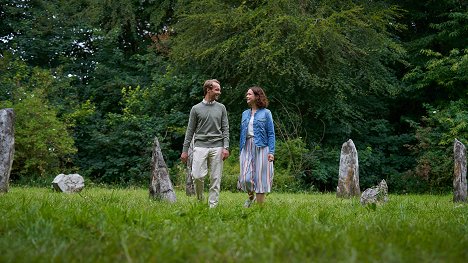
376,194
68,183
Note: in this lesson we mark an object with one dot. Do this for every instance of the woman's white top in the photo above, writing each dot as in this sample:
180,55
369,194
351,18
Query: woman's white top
250,132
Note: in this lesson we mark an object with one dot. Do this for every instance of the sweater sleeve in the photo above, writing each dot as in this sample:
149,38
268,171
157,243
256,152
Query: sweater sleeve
190,130
225,128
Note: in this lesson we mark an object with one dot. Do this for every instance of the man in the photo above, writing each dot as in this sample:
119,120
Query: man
208,126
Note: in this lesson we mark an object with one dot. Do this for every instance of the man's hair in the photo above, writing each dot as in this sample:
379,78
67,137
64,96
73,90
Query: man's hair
262,101
209,85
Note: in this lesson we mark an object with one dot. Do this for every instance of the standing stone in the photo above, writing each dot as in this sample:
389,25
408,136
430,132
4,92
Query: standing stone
161,185
376,194
459,173
348,181
68,183
189,186
7,146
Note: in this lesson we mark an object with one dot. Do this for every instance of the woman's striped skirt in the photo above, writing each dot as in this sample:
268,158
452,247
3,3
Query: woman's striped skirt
256,172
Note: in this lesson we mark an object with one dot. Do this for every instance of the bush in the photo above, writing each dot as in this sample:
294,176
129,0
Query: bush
434,150
43,146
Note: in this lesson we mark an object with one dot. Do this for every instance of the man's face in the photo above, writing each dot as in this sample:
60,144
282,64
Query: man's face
213,94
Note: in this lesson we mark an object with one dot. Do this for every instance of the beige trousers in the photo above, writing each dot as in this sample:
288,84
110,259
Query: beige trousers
202,159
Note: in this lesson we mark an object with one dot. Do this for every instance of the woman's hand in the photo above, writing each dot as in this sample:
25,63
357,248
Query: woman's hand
271,157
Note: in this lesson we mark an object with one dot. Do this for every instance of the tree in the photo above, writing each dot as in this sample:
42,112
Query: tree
442,80
99,48
43,146
301,50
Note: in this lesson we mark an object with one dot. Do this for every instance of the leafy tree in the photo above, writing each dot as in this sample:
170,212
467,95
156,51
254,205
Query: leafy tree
437,86
115,141
119,149
99,47
43,146
436,134
301,51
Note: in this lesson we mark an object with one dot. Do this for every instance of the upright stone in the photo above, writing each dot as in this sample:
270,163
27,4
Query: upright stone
7,146
161,185
459,173
189,186
348,181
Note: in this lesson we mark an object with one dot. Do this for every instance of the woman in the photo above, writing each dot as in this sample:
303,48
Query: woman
257,147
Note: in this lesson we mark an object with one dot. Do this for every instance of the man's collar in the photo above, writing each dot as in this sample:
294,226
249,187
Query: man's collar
208,102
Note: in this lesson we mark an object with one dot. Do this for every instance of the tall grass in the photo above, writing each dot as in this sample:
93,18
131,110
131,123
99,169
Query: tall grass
124,225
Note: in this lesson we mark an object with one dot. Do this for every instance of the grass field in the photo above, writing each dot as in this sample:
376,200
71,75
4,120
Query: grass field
124,225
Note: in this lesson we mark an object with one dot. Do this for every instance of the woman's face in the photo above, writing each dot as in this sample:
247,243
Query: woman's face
250,97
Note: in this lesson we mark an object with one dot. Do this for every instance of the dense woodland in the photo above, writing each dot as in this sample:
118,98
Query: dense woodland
92,82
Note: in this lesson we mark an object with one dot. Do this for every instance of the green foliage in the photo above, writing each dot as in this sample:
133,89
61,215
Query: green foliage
436,136
124,52
383,154
99,47
116,225
437,41
231,171
322,168
327,51
118,149
290,155
291,165
43,146
449,72
442,72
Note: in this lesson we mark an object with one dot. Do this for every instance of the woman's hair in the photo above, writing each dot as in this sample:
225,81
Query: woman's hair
262,101
209,85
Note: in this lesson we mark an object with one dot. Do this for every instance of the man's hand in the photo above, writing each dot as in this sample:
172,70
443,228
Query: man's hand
184,157
225,154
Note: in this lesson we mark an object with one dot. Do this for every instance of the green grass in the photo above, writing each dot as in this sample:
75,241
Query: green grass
124,225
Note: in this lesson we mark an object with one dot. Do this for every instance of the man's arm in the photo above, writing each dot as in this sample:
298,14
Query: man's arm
192,123
225,130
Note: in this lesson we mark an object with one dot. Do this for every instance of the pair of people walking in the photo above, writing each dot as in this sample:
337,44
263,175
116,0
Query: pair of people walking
208,127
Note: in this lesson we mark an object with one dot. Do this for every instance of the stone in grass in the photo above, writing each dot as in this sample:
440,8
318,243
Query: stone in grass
348,178
376,194
459,172
189,186
68,183
161,185
7,146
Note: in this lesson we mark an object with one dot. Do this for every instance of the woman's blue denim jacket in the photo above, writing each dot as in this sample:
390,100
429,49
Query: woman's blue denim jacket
264,130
